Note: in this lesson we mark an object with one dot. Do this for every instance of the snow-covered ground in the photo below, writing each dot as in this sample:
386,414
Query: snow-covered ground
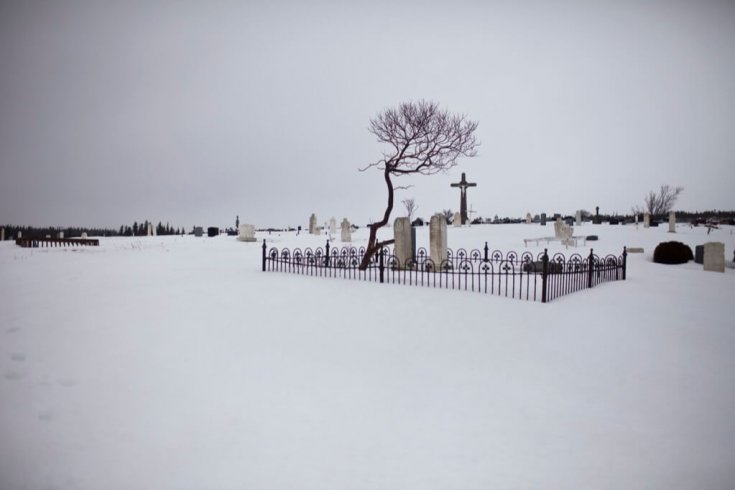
174,363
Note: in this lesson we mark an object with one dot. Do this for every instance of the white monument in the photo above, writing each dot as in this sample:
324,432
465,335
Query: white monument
646,220
312,224
332,226
578,218
529,218
438,240
61,235
346,231
84,235
246,233
457,221
714,256
672,222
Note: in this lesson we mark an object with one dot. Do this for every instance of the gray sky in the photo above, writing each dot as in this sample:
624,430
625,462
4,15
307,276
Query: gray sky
194,112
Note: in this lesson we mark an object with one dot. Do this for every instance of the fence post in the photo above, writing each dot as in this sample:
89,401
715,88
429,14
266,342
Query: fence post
263,254
544,275
625,261
590,266
381,266
326,259
485,251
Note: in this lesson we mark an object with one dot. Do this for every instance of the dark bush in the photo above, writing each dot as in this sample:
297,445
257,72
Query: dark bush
672,253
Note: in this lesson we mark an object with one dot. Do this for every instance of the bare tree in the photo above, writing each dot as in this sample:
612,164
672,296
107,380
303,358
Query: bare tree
411,207
662,202
421,139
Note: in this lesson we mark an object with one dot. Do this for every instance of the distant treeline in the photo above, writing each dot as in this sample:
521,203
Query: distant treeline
11,231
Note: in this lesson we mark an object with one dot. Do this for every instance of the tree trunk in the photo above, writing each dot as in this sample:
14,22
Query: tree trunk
373,244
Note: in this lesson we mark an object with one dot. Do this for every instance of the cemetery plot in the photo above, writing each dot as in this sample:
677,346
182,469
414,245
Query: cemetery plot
520,276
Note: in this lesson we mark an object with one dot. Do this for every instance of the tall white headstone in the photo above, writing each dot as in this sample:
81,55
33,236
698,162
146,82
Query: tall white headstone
246,233
646,220
312,224
578,218
19,235
332,226
714,257
150,229
84,235
346,231
403,246
61,234
438,239
457,221
529,218
672,222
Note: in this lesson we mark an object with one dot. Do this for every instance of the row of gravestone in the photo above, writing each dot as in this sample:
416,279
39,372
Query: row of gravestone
404,235
578,220
346,228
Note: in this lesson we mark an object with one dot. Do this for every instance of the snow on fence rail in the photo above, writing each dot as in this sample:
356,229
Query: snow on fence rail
513,275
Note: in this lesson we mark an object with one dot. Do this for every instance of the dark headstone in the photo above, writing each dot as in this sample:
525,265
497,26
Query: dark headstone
592,238
212,231
654,224
614,221
538,267
198,231
543,219
699,254
596,220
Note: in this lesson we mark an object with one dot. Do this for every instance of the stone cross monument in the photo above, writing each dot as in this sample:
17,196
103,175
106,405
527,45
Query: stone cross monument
463,185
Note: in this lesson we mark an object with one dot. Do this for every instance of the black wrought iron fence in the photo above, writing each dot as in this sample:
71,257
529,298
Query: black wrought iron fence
513,275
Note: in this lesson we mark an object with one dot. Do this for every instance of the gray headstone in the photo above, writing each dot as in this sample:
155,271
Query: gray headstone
332,226
246,233
312,224
346,231
404,246
714,256
543,219
672,222
438,239
578,218
457,221
635,250
529,218
646,220
198,231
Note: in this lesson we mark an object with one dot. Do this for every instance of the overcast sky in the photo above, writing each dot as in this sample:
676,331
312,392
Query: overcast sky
195,112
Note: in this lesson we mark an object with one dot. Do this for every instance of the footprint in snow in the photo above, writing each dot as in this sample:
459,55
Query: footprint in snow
66,382
13,375
45,415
